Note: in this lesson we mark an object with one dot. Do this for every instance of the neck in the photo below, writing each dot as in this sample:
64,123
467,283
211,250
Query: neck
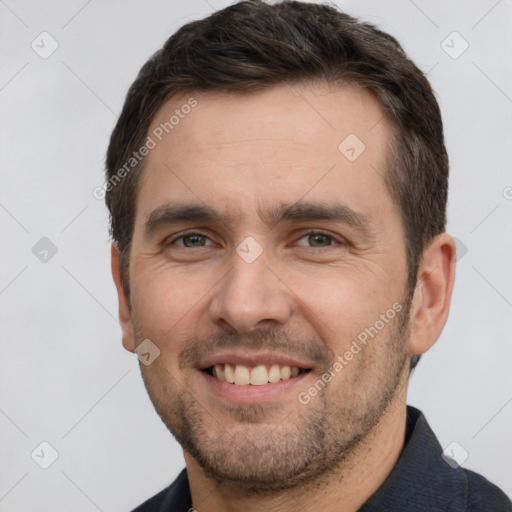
345,489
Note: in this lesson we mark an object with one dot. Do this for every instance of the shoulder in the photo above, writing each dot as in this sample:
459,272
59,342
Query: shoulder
153,504
176,497
424,480
483,496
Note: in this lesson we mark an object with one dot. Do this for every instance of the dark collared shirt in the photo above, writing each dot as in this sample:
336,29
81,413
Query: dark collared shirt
421,481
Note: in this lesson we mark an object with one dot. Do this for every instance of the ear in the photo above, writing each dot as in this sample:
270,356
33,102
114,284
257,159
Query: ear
124,301
431,300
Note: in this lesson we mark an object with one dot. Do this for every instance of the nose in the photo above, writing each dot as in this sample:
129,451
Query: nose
251,296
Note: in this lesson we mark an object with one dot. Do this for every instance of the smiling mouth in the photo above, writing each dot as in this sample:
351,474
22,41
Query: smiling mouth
241,375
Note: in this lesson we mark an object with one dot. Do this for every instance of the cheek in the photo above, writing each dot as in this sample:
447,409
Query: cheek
343,301
165,304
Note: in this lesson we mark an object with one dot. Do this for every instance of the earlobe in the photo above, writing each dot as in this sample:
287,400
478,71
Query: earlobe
432,296
124,301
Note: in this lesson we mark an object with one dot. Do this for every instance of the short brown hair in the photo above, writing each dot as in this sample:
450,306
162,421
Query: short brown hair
253,45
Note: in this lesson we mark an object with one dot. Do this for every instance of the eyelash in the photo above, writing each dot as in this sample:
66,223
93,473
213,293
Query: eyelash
332,238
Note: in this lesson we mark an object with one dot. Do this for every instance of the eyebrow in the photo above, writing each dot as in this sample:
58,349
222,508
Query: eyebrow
299,212
172,213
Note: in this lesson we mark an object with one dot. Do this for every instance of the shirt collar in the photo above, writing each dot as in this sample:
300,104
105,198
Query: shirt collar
421,479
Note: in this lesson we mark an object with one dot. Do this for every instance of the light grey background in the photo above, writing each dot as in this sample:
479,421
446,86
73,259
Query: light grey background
64,377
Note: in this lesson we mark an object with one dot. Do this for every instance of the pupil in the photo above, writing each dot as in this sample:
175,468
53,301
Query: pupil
319,239
194,239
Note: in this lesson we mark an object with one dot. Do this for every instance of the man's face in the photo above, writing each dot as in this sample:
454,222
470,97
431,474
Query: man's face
291,249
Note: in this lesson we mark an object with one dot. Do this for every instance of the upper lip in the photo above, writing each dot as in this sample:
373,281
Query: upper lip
248,358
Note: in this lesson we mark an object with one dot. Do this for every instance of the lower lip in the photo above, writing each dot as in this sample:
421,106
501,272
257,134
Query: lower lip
250,394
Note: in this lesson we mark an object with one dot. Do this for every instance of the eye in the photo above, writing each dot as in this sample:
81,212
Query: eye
191,240
318,239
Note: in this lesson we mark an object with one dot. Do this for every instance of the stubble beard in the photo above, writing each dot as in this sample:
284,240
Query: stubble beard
256,457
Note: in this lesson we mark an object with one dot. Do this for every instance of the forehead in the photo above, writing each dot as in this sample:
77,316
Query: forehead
279,144
305,113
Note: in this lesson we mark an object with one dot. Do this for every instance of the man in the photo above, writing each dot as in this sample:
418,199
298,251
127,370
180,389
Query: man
277,185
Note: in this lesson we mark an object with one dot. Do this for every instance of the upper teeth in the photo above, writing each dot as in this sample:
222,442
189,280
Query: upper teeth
257,375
